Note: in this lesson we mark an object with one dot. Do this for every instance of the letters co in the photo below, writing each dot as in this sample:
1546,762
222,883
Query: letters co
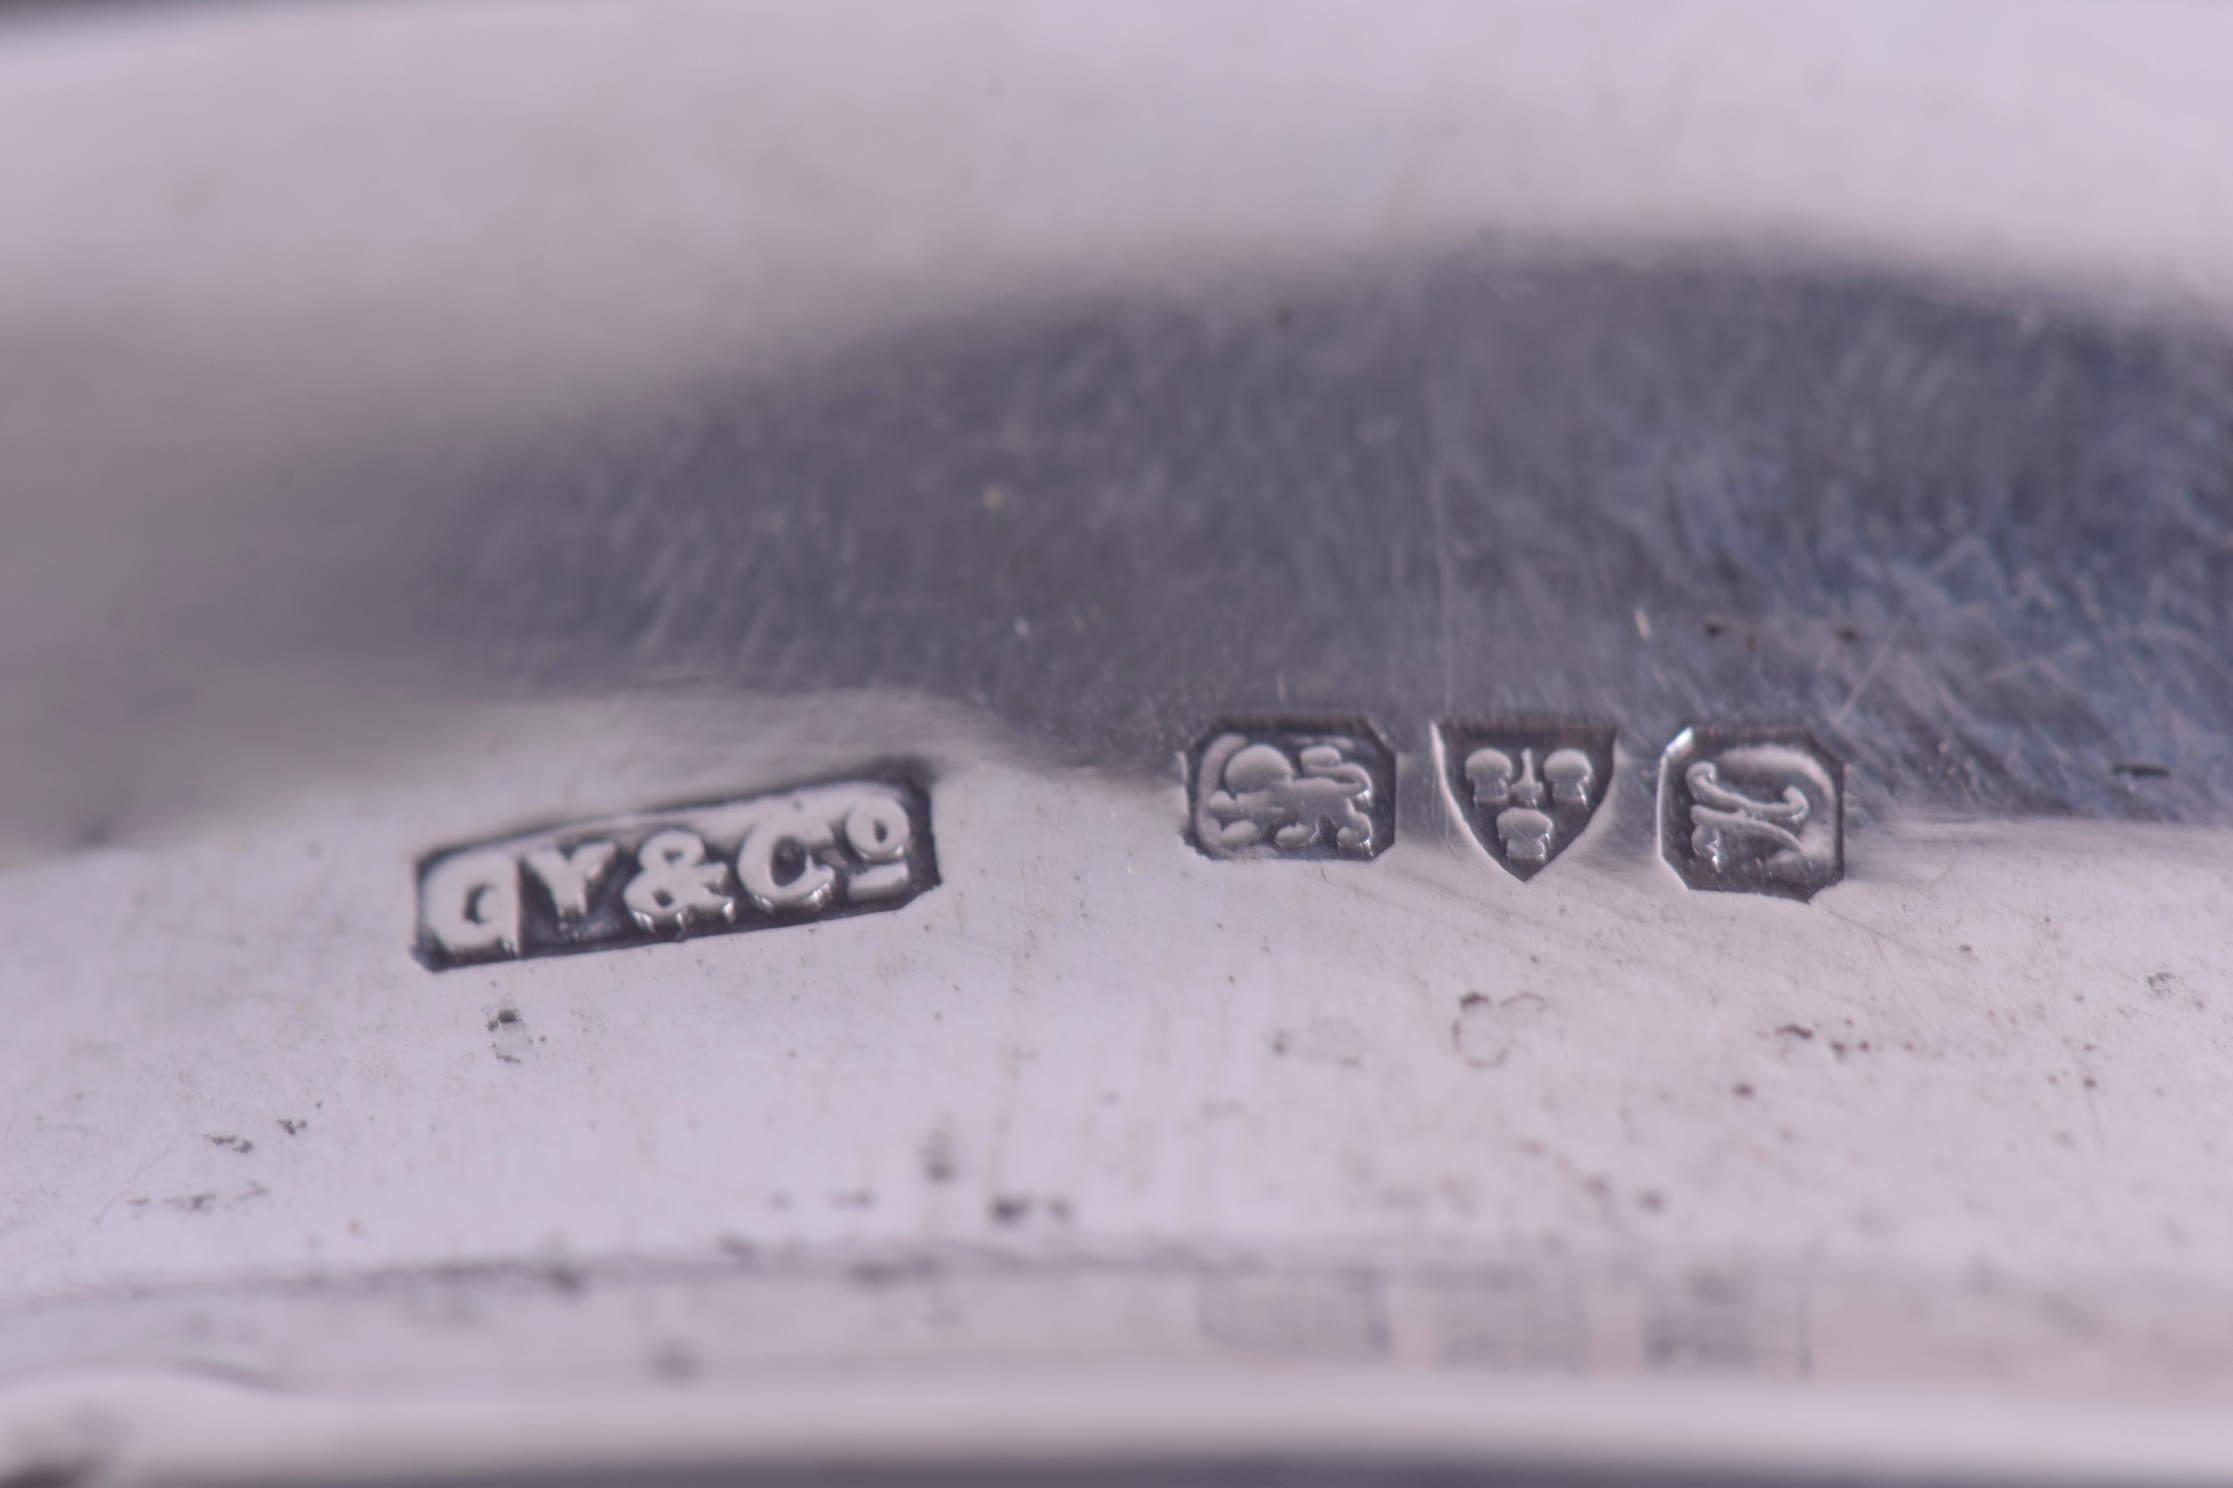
814,853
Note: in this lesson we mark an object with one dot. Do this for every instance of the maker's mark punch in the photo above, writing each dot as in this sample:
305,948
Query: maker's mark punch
815,853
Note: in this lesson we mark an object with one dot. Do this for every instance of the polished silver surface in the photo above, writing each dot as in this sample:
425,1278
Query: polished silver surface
1569,666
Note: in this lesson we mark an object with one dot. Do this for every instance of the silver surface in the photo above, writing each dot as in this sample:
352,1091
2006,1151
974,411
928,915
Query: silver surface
1186,445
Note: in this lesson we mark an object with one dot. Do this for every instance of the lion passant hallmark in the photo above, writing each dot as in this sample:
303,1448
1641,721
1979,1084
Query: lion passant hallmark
1292,788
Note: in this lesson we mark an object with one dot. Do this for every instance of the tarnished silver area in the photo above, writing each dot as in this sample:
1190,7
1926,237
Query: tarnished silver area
1757,811
1526,790
785,858
1293,788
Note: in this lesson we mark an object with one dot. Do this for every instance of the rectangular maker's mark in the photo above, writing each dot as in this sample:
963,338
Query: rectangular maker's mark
788,857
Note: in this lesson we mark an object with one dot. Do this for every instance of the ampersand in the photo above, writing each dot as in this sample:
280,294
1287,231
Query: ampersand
675,882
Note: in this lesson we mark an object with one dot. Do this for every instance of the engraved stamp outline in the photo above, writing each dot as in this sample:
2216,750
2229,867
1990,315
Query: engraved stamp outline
829,849
1308,788
1752,811
1549,777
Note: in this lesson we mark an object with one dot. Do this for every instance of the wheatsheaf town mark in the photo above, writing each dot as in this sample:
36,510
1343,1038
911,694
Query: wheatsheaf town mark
1526,788
758,862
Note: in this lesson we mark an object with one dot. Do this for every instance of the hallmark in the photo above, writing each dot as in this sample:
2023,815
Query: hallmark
1752,811
819,852
1526,789
1292,788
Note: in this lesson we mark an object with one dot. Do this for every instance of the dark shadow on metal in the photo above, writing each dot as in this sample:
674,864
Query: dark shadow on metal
1984,551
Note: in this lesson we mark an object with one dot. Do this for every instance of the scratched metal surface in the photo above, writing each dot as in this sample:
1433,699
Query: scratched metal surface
1013,404
1982,547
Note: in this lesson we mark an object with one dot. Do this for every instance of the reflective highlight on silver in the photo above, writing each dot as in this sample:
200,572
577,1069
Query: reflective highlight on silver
754,863
1293,788
1757,811
1526,789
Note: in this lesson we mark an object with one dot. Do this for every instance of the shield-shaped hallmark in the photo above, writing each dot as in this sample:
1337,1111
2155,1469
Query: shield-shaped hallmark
1527,788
